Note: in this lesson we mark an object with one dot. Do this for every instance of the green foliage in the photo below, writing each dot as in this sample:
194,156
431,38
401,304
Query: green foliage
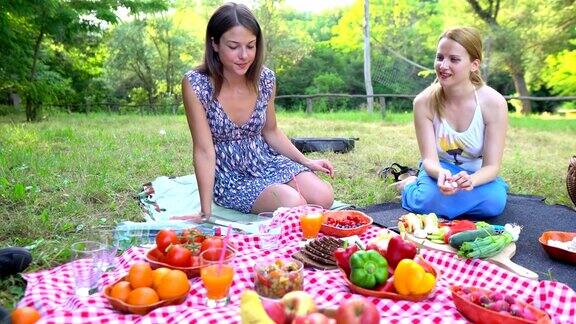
560,72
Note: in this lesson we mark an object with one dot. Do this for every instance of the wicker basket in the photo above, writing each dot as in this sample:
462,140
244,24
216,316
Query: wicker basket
571,179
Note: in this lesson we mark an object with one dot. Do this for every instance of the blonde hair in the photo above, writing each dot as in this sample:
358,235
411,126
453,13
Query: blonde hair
471,40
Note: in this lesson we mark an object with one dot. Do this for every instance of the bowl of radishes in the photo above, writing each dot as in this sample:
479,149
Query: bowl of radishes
487,306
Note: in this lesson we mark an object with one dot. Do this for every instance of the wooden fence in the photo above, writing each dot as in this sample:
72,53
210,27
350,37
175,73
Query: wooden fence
381,99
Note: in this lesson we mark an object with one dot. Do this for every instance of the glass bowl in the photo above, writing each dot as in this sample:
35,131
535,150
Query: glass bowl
276,278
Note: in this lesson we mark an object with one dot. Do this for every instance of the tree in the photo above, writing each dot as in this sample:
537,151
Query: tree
34,28
521,44
367,59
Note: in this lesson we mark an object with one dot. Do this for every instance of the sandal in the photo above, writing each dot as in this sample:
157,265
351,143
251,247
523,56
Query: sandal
399,172
14,260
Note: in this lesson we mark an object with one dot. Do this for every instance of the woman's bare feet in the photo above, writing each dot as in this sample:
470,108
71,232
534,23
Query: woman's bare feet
399,186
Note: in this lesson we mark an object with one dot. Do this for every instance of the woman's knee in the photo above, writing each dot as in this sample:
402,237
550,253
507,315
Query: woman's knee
421,199
494,205
323,195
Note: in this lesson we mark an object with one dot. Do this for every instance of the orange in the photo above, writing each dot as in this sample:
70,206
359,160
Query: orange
157,275
120,290
142,296
173,284
25,315
140,275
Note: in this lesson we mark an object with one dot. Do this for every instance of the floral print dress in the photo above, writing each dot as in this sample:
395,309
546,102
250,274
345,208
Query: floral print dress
245,163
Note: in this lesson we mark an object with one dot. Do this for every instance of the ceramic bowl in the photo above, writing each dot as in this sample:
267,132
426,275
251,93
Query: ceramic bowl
556,252
480,314
123,307
344,232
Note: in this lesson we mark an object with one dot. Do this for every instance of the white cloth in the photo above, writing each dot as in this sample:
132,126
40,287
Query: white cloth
463,149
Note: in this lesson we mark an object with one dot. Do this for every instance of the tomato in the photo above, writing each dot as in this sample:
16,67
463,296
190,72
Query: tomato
214,242
25,315
192,236
142,296
179,256
173,284
157,255
195,261
140,275
164,238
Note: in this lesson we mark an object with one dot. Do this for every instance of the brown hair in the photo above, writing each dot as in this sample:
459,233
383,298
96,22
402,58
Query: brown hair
226,17
470,39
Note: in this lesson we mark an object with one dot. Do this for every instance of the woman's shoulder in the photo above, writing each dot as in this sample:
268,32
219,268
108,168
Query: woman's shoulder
489,97
423,99
267,74
196,74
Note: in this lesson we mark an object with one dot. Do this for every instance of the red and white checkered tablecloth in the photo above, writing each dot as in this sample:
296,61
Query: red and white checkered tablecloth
52,291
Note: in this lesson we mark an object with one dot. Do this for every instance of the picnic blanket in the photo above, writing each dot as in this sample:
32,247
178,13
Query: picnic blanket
167,197
532,214
51,291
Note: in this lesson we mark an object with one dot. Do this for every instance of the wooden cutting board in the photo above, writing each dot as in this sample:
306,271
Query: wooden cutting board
501,259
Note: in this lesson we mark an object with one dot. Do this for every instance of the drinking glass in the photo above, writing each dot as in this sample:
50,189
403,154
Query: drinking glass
108,237
217,277
269,232
87,256
311,221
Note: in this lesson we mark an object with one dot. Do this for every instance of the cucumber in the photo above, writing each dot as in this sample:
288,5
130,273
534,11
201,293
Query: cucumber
457,239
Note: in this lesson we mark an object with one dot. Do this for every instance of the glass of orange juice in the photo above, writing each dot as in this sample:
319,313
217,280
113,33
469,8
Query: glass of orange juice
311,221
217,277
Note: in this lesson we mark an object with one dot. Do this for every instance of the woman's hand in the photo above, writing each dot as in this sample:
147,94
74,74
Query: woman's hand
322,166
463,180
196,218
446,182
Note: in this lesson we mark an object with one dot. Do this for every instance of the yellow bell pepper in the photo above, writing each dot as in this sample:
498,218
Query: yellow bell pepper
410,278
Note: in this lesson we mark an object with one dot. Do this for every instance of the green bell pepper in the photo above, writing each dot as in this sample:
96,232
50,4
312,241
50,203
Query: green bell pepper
368,269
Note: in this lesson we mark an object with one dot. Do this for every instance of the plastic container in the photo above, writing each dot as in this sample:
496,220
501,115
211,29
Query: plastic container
276,278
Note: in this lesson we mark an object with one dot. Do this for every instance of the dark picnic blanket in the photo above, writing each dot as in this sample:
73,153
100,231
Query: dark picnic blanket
529,211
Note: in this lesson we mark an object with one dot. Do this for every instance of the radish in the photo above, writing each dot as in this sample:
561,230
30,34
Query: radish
516,310
527,314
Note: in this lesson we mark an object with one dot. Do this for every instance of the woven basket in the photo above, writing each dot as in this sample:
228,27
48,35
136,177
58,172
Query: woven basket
571,179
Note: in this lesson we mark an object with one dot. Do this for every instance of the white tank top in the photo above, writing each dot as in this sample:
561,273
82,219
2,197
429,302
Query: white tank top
462,149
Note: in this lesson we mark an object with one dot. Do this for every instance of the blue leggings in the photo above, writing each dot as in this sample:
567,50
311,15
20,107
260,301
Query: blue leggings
423,196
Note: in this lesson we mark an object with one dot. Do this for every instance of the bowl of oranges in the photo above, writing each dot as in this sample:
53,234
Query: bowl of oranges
143,289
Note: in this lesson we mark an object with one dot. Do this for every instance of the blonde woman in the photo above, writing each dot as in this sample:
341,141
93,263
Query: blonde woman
461,128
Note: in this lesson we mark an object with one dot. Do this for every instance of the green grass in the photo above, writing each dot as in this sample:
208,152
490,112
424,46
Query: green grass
64,176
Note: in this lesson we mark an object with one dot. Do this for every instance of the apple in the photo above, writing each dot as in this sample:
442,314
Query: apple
298,303
275,310
357,310
313,318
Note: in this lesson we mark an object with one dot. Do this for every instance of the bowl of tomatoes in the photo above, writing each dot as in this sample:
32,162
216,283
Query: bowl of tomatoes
181,252
142,290
343,223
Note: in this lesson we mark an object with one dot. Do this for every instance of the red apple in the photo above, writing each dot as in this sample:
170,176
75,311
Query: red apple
275,310
357,310
298,303
314,318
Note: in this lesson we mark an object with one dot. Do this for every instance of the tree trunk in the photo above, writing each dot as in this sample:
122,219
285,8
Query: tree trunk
367,63
31,104
522,90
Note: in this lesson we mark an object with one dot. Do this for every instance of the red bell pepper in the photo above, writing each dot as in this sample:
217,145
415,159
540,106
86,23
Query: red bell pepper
399,249
342,256
457,227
